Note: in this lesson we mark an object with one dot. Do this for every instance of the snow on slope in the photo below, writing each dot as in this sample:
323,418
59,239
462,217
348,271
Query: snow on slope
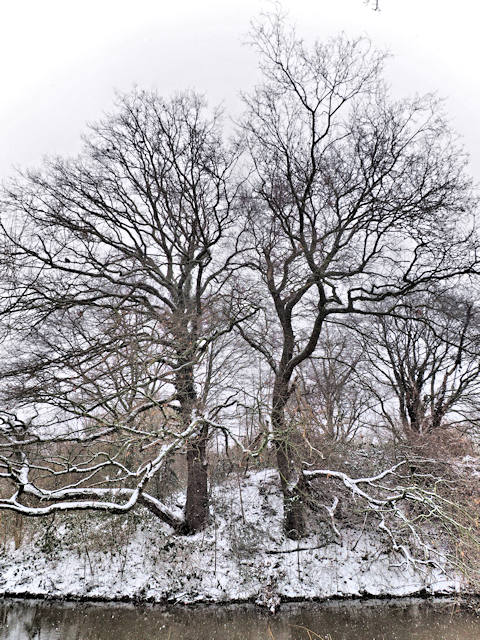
242,555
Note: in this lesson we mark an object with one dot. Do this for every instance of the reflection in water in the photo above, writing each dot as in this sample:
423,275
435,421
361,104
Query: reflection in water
354,620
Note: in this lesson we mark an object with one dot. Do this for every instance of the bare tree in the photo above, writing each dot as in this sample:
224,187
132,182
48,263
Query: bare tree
356,202
329,396
139,229
426,362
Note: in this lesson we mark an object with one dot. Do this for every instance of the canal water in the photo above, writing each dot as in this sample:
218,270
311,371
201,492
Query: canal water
351,620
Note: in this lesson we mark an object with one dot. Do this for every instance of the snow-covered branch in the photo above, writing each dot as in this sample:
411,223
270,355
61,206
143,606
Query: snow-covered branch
403,504
112,500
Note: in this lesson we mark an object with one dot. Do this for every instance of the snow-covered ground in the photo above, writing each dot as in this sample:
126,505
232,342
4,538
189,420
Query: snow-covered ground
241,556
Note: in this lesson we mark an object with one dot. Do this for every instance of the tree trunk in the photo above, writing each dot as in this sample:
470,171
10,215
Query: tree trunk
291,478
196,507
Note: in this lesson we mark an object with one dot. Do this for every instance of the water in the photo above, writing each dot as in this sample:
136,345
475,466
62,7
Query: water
354,620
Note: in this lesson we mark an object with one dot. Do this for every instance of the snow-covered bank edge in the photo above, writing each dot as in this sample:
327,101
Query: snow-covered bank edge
462,599
242,557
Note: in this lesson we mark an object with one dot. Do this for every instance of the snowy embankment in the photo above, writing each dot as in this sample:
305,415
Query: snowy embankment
241,556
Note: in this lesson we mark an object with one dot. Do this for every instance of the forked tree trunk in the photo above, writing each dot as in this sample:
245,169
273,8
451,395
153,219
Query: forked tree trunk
291,477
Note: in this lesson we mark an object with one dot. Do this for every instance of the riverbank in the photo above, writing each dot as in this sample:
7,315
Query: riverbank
243,556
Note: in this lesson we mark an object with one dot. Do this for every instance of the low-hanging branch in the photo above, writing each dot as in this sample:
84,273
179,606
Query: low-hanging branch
72,497
388,503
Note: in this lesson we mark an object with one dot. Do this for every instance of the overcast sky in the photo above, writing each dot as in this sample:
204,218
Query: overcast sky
62,60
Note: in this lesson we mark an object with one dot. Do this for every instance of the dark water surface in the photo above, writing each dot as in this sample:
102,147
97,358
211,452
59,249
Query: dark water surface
353,620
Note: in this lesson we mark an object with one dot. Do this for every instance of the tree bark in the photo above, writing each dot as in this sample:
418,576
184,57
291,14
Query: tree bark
196,506
291,478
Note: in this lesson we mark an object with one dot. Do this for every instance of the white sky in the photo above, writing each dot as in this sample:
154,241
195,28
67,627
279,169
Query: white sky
62,60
